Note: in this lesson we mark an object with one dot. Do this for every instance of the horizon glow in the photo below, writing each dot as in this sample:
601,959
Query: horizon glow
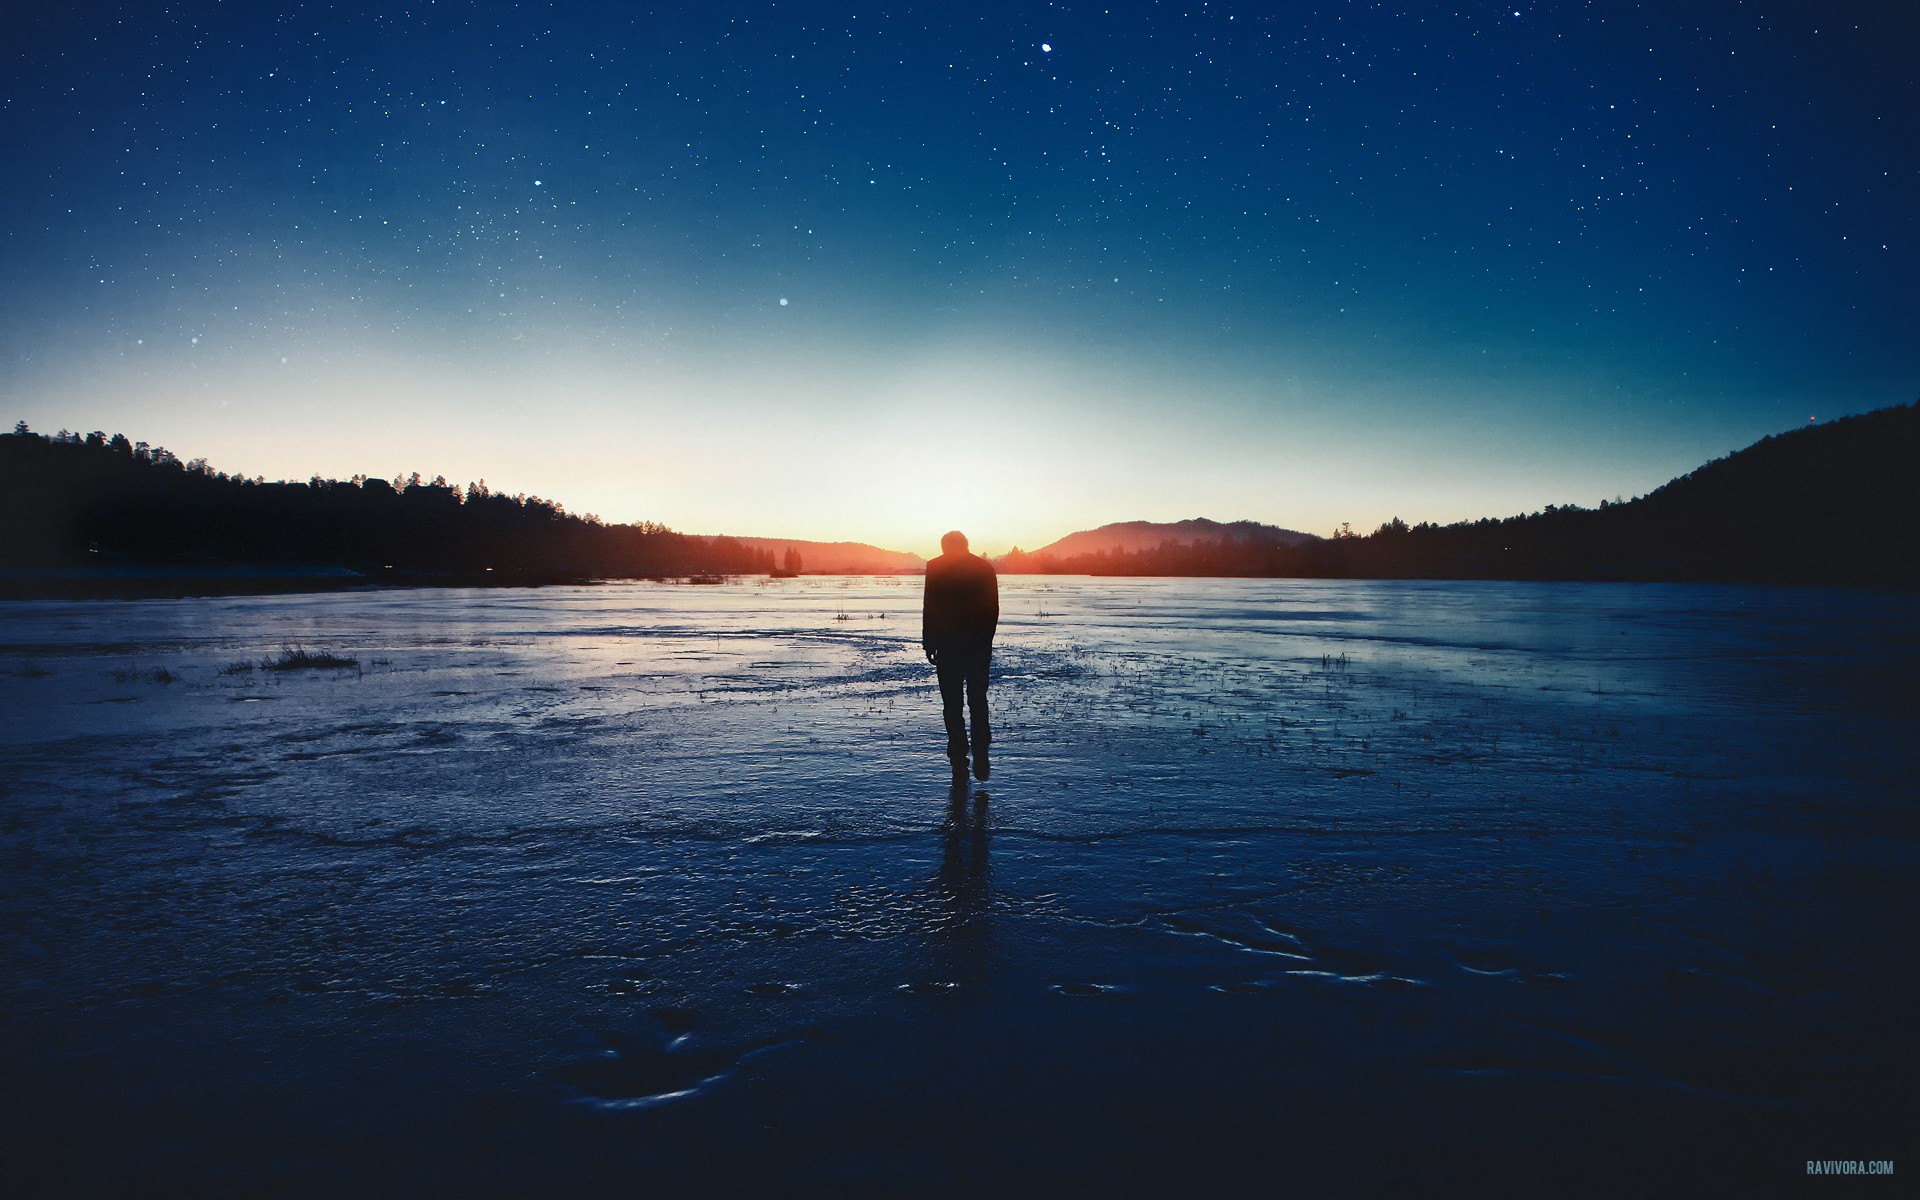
1300,268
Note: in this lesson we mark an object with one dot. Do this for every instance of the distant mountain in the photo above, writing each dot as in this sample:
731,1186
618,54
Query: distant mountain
90,514
838,558
1132,537
1824,504
1197,547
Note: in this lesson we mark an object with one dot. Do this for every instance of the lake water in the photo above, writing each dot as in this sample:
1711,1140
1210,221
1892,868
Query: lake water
1349,887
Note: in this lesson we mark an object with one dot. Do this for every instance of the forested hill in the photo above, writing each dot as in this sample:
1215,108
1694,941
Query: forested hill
1193,547
99,508
1131,537
1825,504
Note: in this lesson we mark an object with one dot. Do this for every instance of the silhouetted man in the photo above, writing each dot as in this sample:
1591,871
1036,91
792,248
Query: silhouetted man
958,617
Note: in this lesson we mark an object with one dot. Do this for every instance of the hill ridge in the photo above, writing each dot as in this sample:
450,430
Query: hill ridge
1134,536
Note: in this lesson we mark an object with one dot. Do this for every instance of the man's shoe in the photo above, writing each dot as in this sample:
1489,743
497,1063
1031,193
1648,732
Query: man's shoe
981,768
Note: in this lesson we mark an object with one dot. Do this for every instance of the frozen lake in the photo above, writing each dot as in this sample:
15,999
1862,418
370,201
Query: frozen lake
632,889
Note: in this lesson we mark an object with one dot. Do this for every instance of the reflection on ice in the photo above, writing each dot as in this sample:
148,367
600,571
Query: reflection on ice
1264,862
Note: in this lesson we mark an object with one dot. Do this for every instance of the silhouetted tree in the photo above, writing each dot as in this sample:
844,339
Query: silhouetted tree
99,501
1824,504
1831,503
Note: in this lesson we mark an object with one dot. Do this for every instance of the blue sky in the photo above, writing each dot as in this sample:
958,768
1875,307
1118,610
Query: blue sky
873,272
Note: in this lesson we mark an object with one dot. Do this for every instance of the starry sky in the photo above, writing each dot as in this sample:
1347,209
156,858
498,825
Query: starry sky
874,271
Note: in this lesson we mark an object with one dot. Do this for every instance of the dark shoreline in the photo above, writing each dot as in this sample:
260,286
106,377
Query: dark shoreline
156,586
233,581
157,583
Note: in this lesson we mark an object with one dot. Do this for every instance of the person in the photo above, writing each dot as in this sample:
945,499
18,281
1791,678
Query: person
958,615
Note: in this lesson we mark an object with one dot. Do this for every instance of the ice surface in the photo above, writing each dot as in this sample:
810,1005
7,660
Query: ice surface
627,889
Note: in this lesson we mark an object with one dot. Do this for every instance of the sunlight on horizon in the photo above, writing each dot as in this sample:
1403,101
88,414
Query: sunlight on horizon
1017,440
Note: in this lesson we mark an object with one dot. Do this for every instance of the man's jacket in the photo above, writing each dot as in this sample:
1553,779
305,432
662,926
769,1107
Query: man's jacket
962,600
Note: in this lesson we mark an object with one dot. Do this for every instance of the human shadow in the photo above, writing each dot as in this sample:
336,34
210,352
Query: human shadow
962,888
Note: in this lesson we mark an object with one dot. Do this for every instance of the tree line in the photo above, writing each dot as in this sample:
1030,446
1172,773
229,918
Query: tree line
1825,504
88,501
1834,503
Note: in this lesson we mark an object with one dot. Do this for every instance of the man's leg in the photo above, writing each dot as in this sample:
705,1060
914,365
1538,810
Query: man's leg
953,679
978,665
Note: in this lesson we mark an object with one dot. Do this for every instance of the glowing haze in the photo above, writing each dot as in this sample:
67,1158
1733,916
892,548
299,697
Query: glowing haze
874,273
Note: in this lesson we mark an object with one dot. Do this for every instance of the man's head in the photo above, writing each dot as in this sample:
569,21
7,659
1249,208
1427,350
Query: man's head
954,543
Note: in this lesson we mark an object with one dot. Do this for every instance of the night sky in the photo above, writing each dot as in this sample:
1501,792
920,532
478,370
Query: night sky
872,272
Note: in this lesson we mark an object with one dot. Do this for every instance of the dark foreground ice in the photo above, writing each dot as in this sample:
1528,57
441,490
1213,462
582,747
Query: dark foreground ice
1311,888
